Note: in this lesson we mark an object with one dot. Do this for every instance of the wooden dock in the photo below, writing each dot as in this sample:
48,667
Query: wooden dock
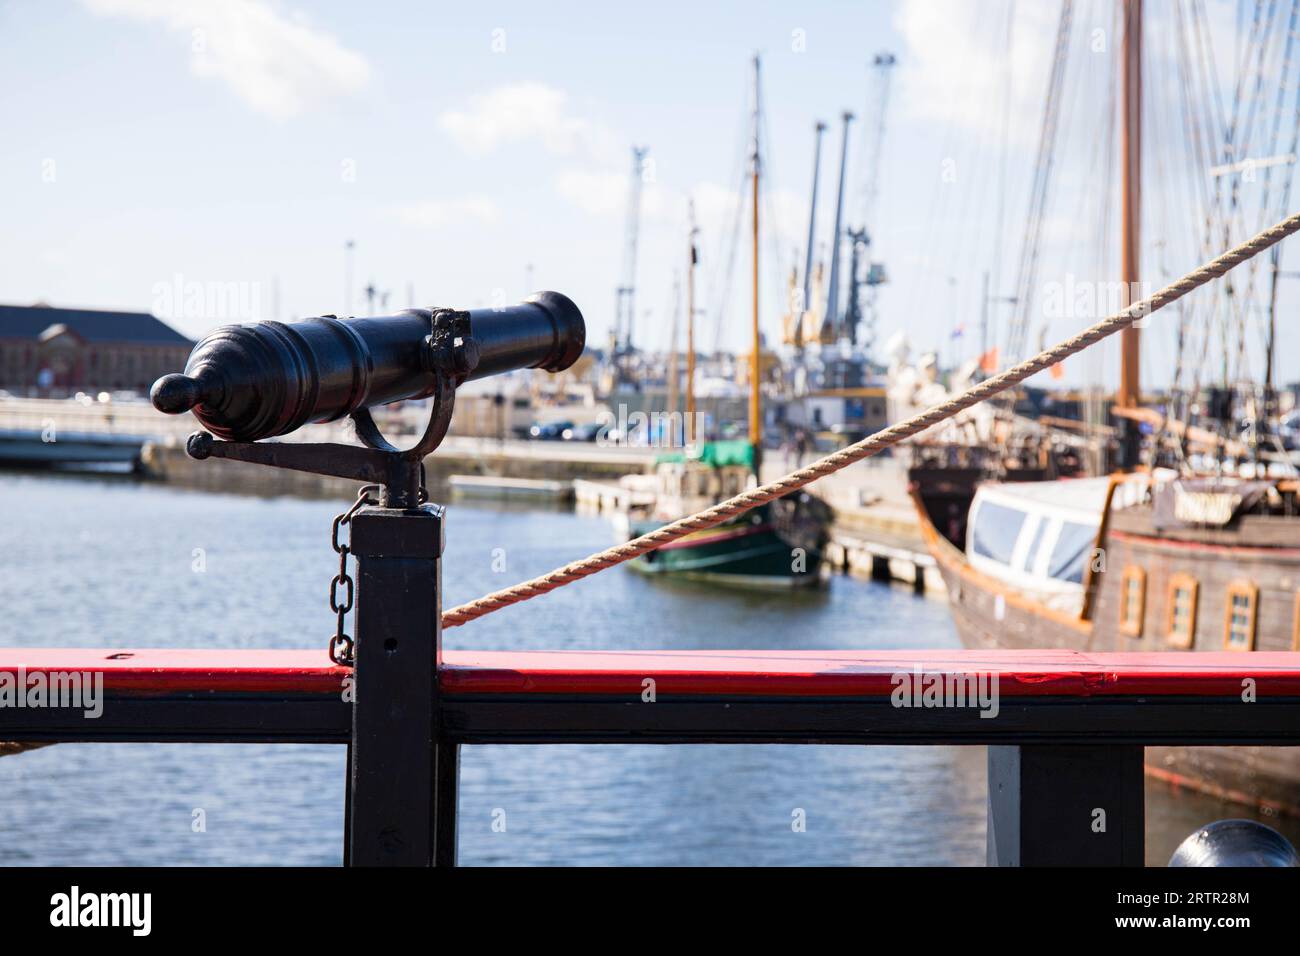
882,541
609,497
882,556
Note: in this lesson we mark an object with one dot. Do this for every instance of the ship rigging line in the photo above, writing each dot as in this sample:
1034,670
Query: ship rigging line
873,444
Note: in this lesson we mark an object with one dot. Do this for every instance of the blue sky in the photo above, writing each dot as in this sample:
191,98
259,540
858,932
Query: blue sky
466,148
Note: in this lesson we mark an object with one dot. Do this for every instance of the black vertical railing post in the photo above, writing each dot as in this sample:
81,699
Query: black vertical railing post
347,806
448,784
403,773
1065,806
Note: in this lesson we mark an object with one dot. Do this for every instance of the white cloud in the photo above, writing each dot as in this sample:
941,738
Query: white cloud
957,60
433,213
277,64
604,192
598,192
517,113
789,212
596,175
785,214
715,207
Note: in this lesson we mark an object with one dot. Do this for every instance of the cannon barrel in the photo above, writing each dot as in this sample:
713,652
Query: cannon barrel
248,382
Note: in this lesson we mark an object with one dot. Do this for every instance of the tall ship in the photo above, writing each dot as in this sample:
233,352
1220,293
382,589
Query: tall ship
1189,541
1159,562
778,544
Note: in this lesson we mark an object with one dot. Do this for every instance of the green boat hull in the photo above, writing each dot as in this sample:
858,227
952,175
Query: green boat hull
747,552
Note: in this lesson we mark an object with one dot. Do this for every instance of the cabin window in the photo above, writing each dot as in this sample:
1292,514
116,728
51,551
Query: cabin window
1239,616
1180,623
995,531
1070,556
1132,600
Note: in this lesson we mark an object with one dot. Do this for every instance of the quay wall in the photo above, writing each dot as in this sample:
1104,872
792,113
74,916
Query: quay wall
880,540
875,533
168,463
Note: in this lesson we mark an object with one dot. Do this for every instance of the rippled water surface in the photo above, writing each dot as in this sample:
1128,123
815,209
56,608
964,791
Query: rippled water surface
106,563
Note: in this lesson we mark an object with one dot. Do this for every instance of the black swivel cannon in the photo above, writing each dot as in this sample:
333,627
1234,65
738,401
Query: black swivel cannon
248,383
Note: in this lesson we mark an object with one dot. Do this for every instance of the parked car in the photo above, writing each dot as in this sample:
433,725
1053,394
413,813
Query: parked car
549,431
588,432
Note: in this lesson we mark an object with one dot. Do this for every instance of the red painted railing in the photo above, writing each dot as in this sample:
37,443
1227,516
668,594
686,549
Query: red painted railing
1065,735
834,673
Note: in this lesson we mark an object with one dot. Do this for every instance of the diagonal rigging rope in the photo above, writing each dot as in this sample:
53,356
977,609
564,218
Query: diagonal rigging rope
874,443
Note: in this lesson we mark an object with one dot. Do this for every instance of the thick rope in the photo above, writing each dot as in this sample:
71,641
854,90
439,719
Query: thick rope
874,443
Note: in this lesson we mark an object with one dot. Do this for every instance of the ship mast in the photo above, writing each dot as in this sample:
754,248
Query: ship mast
1130,391
755,412
691,260
673,377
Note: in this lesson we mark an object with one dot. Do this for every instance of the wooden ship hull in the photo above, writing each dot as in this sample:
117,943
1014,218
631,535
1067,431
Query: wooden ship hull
1148,589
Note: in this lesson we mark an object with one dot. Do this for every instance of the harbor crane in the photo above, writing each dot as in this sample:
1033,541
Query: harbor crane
865,276
625,300
830,321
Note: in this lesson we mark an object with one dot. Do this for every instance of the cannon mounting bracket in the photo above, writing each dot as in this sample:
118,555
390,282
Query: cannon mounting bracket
450,355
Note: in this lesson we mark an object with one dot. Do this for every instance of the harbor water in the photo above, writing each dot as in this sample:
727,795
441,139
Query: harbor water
90,562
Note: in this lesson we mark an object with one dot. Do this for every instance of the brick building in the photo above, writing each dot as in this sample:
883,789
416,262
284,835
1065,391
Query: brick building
52,352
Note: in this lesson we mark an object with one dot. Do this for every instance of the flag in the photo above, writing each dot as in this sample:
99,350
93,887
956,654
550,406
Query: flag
1057,371
957,332
989,361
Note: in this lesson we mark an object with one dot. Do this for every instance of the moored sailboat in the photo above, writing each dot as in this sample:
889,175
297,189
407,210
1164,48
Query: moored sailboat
778,544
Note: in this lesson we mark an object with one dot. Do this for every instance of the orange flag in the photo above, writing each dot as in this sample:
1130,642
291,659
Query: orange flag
1058,371
989,361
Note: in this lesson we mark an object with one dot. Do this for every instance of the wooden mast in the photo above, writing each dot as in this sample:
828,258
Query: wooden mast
1130,387
755,412
673,377
692,258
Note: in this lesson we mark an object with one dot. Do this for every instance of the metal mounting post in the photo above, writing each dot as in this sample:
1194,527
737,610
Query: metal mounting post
1066,806
249,383
402,773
